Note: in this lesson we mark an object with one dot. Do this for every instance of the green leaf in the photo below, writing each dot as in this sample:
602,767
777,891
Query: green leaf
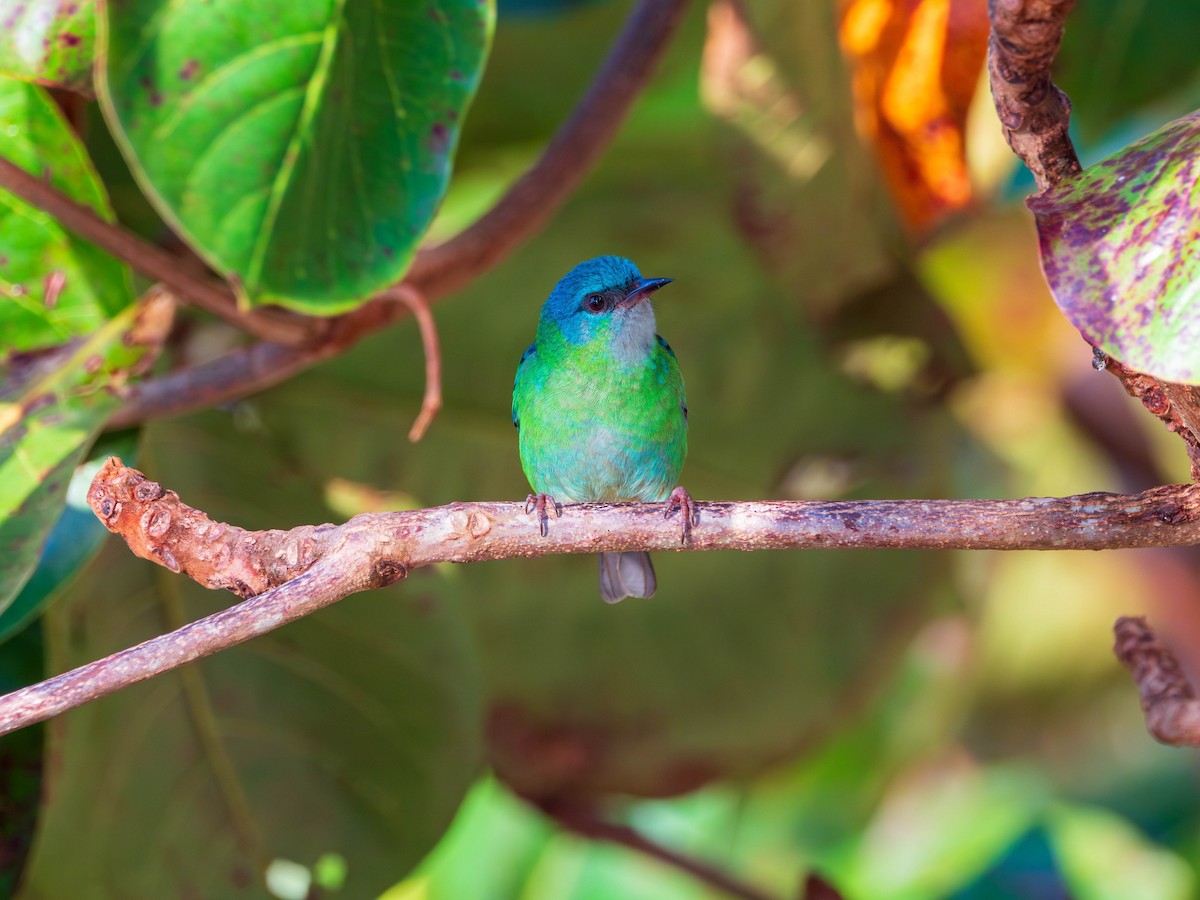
1105,857
21,757
52,404
53,285
1118,247
301,147
940,827
341,743
48,41
1120,59
501,847
74,540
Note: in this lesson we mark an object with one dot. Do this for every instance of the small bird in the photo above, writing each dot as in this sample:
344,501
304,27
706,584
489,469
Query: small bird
600,408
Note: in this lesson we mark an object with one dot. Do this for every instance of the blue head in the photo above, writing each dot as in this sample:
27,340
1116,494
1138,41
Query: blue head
604,300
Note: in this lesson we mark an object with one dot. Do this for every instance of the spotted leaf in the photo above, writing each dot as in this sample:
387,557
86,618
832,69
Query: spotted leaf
1118,247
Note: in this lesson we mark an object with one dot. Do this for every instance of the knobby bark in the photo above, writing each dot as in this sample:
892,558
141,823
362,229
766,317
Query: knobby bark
1033,112
1168,701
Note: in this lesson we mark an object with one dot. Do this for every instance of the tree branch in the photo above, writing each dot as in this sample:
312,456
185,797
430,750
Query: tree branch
1033,112
588,824
248,369
289,574
152,261
1168,701
1177,406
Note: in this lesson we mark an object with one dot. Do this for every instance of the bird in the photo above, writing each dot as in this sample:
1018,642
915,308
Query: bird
600,409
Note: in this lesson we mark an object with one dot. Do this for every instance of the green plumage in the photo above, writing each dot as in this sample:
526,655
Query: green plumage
593,427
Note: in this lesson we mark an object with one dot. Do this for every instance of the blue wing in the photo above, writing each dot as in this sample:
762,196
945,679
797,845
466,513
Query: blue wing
529,351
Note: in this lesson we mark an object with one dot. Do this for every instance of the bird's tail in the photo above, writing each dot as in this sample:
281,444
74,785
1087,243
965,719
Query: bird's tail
626,575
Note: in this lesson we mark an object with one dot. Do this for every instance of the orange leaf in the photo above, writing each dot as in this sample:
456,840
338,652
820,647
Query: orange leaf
914,68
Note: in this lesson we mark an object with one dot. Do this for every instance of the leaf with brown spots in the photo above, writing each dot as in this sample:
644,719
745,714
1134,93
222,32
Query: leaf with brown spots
51,42
1118,246
301,148
54,286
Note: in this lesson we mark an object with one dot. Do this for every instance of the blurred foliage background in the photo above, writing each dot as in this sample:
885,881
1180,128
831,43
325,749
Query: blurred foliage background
858,312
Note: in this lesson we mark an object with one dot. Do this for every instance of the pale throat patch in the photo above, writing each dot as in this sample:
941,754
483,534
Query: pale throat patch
633,337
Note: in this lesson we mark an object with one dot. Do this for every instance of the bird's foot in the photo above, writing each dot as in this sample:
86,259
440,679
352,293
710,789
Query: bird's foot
681,500
542,503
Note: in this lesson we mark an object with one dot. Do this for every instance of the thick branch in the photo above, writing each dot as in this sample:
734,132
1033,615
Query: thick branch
289,574
150,260
439,270
1034,113
1168,701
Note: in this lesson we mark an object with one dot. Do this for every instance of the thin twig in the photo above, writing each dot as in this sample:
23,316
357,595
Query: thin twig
1168,701
152,261
588,824
437,271
292,573
432,401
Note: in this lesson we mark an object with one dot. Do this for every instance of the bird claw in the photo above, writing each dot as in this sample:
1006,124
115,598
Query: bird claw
541,502
680,499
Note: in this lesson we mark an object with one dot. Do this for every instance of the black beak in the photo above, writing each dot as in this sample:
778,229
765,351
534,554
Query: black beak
642,289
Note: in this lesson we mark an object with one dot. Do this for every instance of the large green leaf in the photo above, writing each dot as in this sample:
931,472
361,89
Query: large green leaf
52,404
1118,247
48,41
344,741
75,538
301,146
54,285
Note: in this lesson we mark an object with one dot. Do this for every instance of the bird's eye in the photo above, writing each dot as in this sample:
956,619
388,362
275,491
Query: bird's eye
595,302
